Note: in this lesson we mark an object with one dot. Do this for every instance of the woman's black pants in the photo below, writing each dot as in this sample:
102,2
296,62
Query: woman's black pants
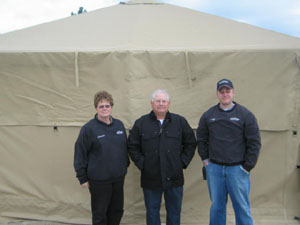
107,201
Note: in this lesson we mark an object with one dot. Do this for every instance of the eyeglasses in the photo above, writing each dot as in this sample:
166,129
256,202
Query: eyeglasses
104,106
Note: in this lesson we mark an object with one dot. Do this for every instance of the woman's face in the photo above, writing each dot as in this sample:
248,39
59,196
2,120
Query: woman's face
104,110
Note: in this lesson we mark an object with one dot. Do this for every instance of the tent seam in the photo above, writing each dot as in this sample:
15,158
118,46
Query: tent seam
76,70
297,103
188,70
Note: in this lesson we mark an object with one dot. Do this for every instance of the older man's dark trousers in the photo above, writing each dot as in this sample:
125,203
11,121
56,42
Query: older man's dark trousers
107,201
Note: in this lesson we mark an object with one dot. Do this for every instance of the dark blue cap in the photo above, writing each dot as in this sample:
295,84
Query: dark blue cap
224,83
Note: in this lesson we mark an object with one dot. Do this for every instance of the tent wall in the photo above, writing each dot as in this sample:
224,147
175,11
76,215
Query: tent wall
38,181
43,90
57,88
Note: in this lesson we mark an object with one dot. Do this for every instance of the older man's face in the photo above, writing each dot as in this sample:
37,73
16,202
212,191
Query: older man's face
160,104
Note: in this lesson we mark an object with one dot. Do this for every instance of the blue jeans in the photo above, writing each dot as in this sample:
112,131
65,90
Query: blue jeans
232,180
173,200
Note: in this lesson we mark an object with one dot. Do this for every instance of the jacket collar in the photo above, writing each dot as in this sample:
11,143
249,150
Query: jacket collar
101,122
153,116
227,110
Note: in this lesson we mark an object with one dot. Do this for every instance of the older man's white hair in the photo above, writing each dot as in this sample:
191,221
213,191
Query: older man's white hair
159,91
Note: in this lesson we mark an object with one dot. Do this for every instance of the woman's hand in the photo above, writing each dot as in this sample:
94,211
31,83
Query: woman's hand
85,185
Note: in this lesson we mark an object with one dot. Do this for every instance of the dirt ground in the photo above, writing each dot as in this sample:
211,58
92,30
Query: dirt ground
29,222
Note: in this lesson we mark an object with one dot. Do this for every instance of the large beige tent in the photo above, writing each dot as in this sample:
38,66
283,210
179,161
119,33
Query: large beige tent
50,72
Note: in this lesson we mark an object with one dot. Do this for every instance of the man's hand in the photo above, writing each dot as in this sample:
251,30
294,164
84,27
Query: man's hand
205,162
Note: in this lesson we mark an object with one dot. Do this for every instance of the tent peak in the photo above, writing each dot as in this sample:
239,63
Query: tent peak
136,2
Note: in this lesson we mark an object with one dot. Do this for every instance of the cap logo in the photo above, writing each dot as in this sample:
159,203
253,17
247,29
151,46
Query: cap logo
223,81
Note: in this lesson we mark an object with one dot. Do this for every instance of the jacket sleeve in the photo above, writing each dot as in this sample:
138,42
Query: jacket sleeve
134,147
81,156
253,142
188,143
202,138
128,161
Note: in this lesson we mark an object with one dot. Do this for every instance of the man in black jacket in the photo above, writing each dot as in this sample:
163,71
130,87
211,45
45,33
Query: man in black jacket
162,144
229,144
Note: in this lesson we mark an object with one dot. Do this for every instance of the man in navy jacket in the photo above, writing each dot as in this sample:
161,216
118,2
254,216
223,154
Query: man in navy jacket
228,144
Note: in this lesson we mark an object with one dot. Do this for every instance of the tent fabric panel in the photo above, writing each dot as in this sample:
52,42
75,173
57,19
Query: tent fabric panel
33,88
40,183
265,82
49,92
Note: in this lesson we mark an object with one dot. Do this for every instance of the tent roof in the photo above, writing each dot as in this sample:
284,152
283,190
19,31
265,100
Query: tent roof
144,25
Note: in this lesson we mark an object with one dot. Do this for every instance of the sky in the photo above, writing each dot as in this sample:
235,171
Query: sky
278,15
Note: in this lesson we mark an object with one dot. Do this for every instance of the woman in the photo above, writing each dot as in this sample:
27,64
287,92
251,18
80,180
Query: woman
101,161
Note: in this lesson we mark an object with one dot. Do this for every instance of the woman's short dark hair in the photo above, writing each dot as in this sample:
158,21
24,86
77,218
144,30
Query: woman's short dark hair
103,95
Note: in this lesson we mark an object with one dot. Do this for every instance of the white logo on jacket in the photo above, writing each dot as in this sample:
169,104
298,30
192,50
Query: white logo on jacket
119,132
235,119
101,136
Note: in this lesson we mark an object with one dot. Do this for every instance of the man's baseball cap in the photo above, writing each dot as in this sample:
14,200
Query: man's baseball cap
224,83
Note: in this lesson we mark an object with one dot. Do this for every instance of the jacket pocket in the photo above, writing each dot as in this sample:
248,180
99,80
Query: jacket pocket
151,166
149,136
173,134
149,143
174,140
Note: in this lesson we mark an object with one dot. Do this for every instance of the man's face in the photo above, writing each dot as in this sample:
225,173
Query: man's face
225,96
104,109
160,104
